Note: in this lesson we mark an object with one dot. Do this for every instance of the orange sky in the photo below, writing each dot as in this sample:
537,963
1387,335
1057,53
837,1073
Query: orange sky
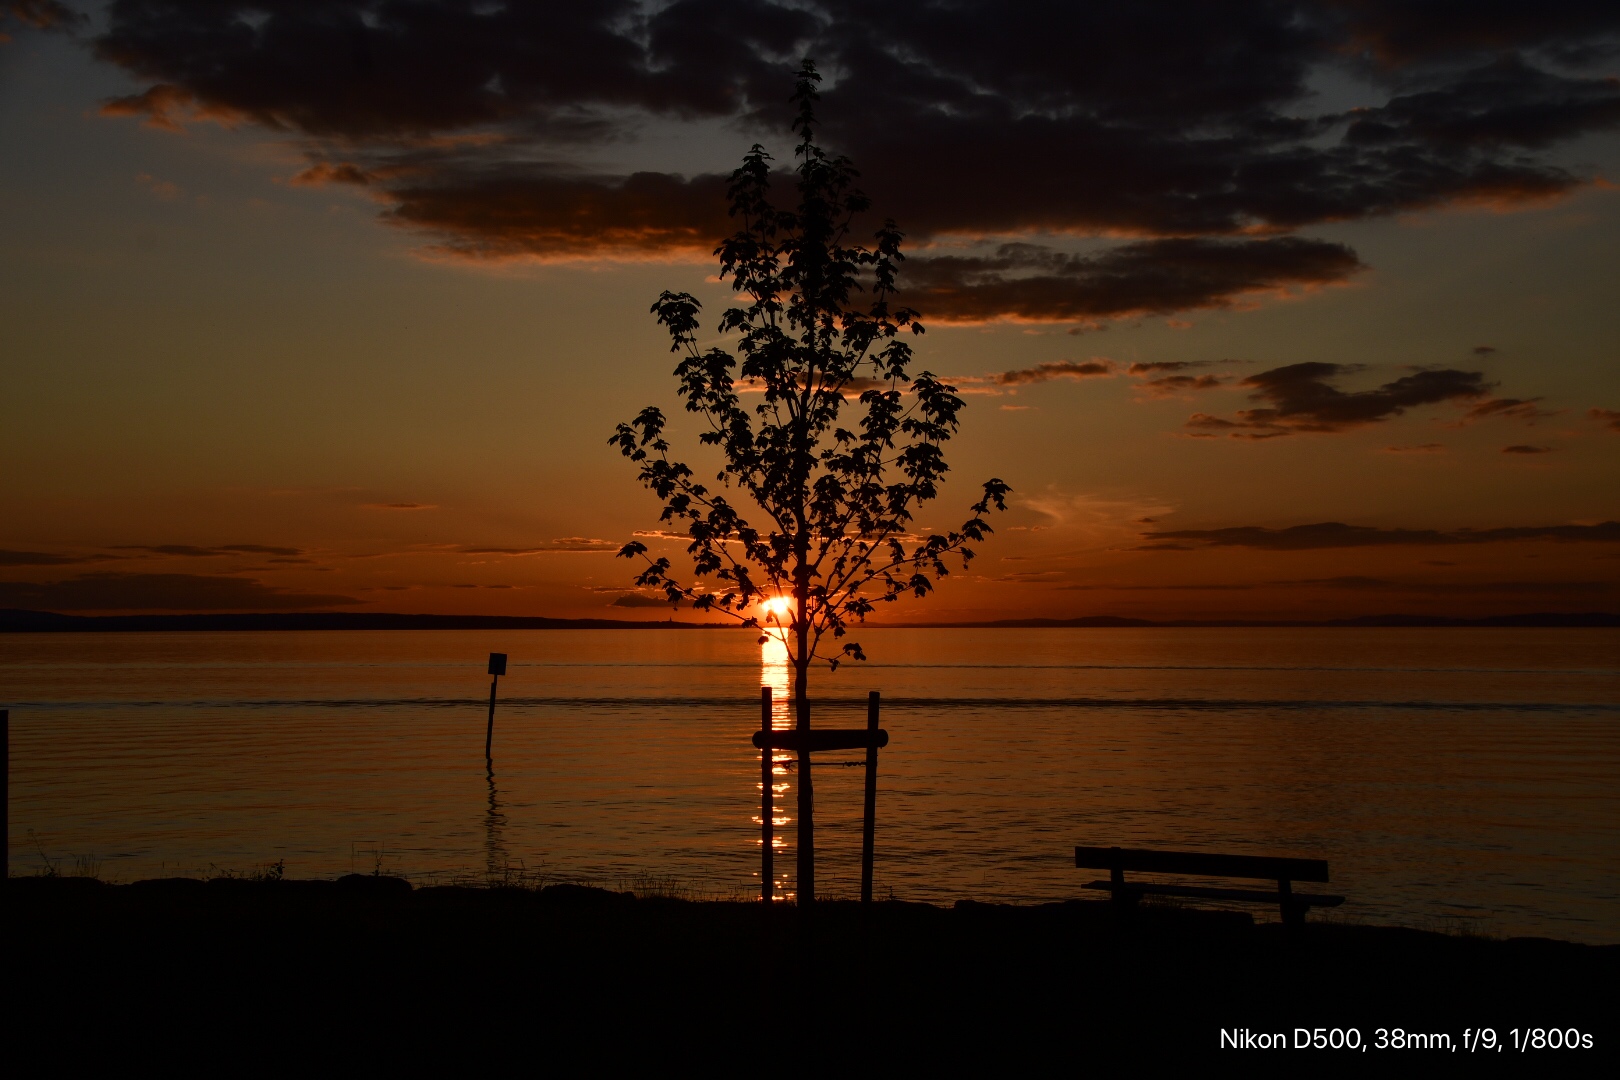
232,385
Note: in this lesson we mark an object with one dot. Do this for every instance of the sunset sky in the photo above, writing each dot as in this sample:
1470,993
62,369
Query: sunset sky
1292,310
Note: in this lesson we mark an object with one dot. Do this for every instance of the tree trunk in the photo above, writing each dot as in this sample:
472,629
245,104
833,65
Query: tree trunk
801,704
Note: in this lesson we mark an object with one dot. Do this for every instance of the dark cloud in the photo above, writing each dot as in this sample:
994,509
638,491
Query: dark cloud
399,506
1039,284
1334,534
159,592
185,551
1420,448
1507,103
1163,367
1403,32
1178,120
45,558
1524,409
565,543
191,551
1161,378
360,70
328,172
1155,383
1005,174
164,107
1300,397
40,15
1609,418
1525,448
637,600
1484,350
1153,117
1174,385
505,213
1056,369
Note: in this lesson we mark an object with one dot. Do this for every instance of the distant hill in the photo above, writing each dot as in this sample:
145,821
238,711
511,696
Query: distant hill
1569,619
1587,618
19,621
13,620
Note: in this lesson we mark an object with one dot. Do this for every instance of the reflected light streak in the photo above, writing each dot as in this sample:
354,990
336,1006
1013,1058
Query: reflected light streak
776,672
496,861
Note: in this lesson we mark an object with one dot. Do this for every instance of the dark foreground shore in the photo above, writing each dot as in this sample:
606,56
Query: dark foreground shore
263,976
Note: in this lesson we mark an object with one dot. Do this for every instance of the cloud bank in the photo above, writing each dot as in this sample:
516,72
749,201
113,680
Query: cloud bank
1335,534
1189,127
1302,398
1156,277
109,591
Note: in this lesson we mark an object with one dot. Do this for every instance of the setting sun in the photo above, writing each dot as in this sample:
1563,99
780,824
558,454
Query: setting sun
777,606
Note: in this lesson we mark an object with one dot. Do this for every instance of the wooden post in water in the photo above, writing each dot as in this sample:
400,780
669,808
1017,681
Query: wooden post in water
806,853
869,825
497,668
767,830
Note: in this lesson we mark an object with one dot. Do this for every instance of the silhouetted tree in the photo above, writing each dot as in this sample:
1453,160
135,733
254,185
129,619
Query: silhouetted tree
815,326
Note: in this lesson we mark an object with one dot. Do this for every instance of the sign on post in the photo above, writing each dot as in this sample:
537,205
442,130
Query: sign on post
497,668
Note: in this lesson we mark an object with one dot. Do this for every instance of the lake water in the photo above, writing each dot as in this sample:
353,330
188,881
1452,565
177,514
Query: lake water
1446,775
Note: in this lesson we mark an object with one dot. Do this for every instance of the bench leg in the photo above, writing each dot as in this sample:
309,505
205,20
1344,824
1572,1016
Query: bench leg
1118,892
1293,912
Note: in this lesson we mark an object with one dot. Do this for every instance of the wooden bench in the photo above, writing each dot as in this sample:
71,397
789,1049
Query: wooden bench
1284,872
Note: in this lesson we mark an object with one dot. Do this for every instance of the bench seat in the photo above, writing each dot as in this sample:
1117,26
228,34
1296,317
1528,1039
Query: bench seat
1253,896
1283,871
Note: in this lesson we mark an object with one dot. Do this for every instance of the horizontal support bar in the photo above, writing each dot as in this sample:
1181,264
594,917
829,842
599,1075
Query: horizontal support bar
1251,895
821,739
1200,862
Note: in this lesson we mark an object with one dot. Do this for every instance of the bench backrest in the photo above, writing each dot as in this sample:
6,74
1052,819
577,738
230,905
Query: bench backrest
1199,862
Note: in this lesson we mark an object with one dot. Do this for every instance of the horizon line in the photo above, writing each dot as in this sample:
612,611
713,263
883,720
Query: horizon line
18,620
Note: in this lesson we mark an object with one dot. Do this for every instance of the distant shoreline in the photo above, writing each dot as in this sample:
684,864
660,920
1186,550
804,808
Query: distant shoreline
19,621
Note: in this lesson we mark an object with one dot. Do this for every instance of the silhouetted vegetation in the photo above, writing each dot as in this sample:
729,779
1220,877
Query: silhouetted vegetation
836,495
369,968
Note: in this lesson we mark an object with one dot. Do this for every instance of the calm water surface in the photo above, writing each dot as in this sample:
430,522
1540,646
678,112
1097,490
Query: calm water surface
1452,774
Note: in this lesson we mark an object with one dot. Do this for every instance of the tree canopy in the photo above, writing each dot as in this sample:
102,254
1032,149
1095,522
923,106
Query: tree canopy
844,444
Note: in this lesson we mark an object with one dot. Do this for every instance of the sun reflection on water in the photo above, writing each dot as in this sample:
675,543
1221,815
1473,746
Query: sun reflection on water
776,672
